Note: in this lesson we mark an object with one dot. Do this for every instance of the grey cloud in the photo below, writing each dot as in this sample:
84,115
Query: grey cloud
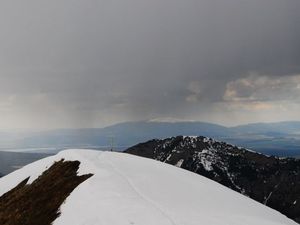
256,87
96,62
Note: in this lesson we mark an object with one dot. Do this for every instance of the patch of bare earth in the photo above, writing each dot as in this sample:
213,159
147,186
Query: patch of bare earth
38,203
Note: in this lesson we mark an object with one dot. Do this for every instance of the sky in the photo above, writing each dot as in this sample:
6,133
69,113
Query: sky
74,63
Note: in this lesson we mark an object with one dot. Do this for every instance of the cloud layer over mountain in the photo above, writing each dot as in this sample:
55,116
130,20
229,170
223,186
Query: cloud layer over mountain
93,63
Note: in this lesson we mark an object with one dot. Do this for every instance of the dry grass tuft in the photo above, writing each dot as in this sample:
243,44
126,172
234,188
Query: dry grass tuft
38,203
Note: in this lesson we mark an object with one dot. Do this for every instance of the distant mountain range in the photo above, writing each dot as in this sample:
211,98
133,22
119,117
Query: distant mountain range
281,139
274,182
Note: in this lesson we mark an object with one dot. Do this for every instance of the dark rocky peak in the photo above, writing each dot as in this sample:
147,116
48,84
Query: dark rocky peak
272,181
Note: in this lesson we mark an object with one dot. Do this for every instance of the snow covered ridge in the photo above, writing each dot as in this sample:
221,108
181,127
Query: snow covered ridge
269,180
126,189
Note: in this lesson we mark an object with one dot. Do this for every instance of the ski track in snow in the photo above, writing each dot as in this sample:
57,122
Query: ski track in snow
139,193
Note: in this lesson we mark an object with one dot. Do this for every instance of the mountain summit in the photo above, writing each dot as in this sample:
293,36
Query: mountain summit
117,188
272,181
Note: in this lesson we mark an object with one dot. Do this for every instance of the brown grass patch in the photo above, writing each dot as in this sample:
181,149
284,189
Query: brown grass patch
38,203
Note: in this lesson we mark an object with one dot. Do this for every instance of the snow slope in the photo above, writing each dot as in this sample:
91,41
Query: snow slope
127,189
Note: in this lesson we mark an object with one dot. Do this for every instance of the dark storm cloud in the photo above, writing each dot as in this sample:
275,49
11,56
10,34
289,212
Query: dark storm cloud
96,62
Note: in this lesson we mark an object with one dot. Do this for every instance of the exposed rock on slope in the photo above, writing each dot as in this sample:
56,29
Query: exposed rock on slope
272,181
38,203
